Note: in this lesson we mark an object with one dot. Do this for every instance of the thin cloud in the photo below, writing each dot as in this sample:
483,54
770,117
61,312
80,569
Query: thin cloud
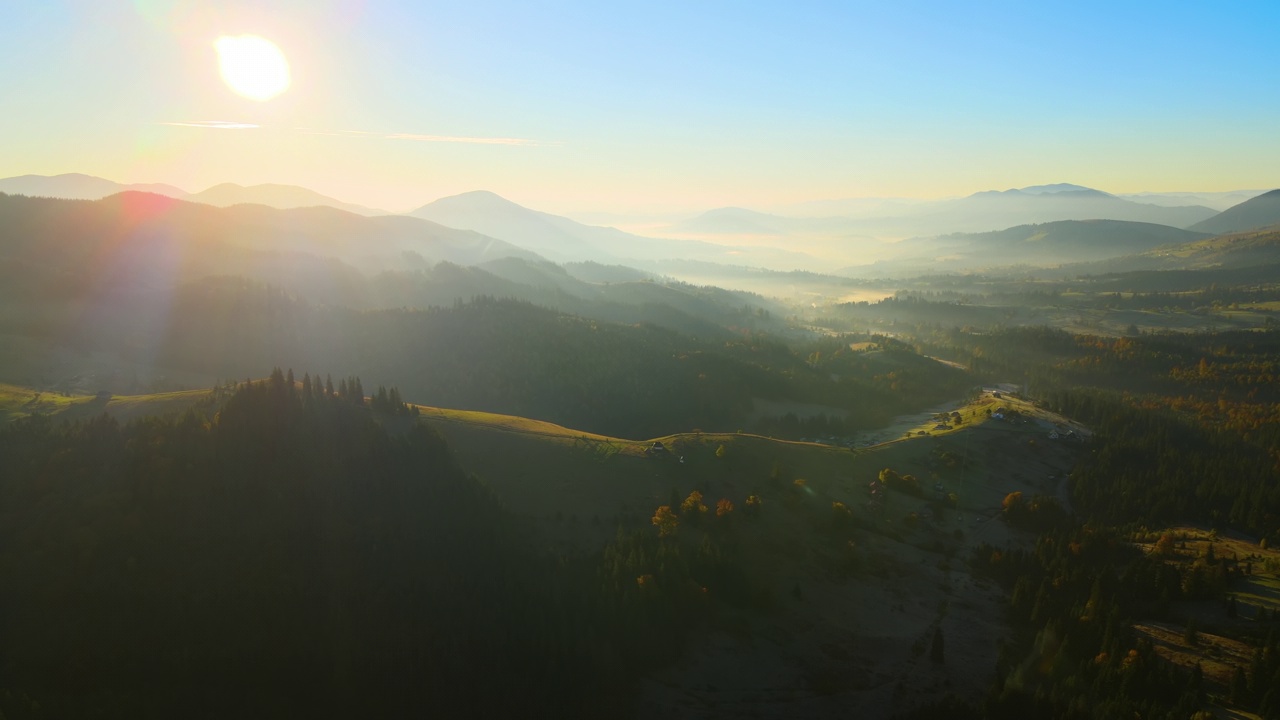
416,137
337,133
470,140
426,138
214,124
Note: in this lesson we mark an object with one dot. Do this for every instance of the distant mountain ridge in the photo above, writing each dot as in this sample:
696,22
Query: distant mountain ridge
77,186
281,197
484,212
1057,188
562,239
202,239
494,215
1067,239
1259,212
1058,192
731,235
1046,244
1041,204
1216,200
985,211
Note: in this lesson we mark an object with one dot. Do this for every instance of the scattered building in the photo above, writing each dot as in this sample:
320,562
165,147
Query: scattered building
656,449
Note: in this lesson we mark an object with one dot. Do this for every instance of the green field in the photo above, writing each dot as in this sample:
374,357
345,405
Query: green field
17,402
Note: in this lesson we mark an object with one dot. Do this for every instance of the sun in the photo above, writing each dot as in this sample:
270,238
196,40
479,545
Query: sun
252,66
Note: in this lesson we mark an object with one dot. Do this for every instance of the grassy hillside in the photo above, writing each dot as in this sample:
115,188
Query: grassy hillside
856,590
19,402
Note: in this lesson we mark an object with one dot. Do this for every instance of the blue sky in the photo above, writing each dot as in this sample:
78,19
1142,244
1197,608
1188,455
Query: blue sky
655,106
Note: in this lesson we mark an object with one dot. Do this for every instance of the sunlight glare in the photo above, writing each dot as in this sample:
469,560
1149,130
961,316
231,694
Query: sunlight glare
252,66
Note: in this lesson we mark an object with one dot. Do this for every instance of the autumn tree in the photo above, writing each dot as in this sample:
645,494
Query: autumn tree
902,483
693,508
1012,502
666,521
724,507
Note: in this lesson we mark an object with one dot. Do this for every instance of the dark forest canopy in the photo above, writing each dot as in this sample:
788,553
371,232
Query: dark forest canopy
294,554
295,550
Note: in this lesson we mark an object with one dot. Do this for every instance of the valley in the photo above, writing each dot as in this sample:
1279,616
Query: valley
724,490
688,361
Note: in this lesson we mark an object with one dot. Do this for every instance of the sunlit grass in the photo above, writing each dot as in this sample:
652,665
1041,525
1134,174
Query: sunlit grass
18,402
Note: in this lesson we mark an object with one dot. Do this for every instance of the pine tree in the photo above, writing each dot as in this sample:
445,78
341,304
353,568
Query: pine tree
1239,687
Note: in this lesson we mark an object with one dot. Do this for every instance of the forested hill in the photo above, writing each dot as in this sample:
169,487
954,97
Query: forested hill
513,358
189,236
284,556
635,381
1190,421
80,254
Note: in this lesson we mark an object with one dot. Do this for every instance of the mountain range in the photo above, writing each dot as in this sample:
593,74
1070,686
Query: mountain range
981,212
1216,200
136,233
928,230
76,186
562,239
102,266
1045,244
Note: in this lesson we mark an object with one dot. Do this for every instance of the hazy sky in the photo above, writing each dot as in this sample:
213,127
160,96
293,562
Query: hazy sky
651,106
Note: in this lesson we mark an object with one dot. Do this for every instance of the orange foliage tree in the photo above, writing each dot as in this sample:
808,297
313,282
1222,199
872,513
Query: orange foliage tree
666,521
693,505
